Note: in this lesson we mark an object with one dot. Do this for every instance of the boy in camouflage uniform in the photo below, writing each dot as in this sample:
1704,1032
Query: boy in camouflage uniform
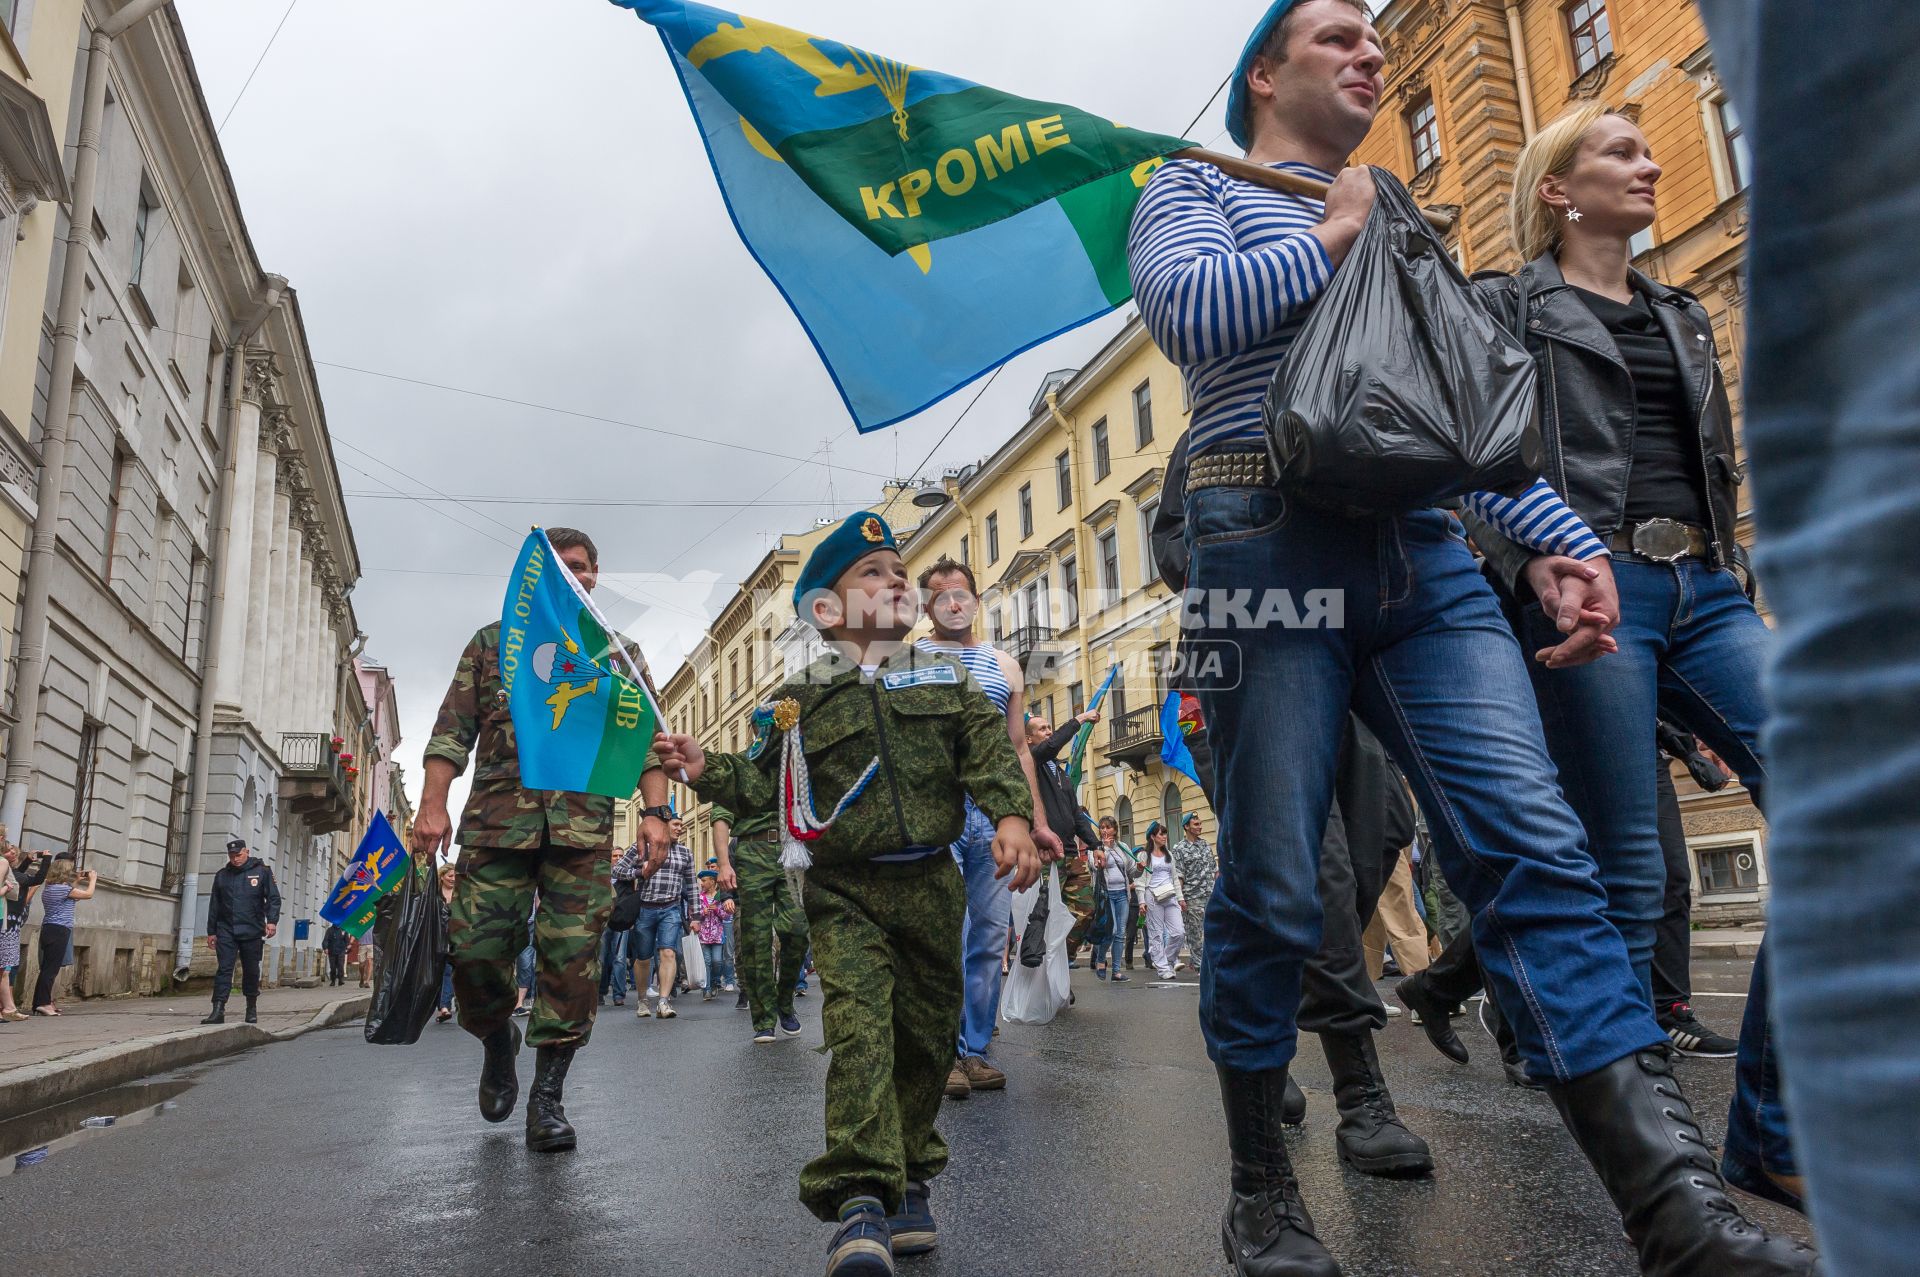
749,852
515,843
883,898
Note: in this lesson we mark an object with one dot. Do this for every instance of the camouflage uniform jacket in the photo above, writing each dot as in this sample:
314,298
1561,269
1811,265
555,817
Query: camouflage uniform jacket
740,828
474,720
938,739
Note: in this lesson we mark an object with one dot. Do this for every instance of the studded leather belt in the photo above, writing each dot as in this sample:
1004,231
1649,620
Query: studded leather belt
1661,541
1239,468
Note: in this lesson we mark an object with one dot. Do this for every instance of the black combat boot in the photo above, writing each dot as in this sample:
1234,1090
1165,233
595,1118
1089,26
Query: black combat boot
1267,1231
1435,1016
219,1014
548,1130
1293,1107
253,1010
499,1084
1371,1138
1638,1131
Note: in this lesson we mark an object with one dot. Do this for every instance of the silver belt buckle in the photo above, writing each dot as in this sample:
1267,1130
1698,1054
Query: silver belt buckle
1662,540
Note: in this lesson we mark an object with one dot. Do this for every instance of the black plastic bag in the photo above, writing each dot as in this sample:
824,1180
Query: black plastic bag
413,952
1401,390
626,912
1033,941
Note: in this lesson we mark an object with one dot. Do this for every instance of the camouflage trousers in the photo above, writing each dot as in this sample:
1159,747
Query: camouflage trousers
767,911
886,945
492,897
1076,888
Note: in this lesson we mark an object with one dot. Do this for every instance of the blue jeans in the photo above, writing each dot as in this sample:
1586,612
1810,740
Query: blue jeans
1120,916
716,956
657,929
1692,649
613,964
523,970
989,920
1411,637
446,985
1833,433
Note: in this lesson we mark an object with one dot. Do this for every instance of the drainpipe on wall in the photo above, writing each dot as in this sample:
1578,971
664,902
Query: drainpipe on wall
272,289
31,672
1522,77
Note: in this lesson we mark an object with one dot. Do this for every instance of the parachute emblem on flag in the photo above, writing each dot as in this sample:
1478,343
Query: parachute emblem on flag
564,671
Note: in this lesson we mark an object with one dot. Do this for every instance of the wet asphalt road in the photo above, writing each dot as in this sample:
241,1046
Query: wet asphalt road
1105,1156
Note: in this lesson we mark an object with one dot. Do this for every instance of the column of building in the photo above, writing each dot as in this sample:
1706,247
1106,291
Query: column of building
258,375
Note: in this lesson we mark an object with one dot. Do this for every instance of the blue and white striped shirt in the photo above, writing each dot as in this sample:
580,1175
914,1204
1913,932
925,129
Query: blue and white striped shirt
1225,273
983,664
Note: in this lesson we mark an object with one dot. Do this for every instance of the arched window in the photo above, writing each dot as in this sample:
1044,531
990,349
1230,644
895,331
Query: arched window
1123,812
1170,811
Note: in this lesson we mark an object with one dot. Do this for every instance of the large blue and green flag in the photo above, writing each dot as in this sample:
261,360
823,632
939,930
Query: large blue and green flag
377,864
923,228
578,724
1076,763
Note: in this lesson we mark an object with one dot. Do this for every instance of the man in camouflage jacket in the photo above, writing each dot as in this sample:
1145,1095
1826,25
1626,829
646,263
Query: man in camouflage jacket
519,845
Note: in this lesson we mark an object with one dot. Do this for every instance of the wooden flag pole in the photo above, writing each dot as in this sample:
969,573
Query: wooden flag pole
1281,180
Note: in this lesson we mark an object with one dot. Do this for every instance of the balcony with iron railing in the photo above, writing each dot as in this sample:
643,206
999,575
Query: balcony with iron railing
1135,739
315,782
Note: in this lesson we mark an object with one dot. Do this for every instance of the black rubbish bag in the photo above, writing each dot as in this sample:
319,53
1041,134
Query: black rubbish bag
413,951
1402,390
1033,941
626,912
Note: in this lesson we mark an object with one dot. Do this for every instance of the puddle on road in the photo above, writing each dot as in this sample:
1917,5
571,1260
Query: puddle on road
27,1141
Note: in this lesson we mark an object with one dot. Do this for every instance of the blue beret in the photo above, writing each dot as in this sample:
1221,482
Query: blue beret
1237,92
858,535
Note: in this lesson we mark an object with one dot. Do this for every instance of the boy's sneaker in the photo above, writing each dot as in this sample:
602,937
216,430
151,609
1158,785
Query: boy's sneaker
763,1036
959,1085
913,1229
642,1011
863,1247
1692,1038
665,1010
790,1024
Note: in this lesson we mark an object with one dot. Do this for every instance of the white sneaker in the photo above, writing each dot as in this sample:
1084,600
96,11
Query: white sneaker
641,1012
1393,1012
665,1010
653,990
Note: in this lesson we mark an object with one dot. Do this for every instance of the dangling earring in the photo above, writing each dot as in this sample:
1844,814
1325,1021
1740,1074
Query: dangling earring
1573,214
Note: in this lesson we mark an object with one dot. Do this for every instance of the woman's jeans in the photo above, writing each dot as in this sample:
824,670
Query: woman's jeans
1309,614
1692,651
53,954
719,971
1832,394
1119,917
1166,932
984,942
446,985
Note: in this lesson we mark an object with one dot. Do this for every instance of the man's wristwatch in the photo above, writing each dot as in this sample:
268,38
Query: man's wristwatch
663,811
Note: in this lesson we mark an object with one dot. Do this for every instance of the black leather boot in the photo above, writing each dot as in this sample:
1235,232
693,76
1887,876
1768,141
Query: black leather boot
1435,1018
1371,1138
253,1010
1267,1231
1293,1107
219,1013
499,1084
548,1130
1638,1131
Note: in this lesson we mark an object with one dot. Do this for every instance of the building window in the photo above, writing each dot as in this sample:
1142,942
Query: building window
1739,155
1728,869
1123,814
1149,570
1076,699
1142,414
1102,458
733,675
993,538
1026,510
1641,242
1069,591
965,550
1170,812
142,219
86,764
1423,126
1063,478
997,626
1109,543
1592,36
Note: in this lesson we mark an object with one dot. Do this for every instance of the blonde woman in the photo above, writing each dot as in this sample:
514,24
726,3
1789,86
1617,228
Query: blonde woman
1640,443
56,927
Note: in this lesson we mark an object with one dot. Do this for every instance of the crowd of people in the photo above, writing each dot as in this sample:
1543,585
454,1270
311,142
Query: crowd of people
1466,771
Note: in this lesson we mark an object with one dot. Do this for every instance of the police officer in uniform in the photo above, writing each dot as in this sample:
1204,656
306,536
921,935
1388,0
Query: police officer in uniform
243,911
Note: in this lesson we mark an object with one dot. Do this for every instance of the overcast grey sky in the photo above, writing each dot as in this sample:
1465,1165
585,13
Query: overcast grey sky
511,198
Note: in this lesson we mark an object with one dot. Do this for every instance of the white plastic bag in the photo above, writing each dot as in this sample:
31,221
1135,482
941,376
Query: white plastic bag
1034,995
694,958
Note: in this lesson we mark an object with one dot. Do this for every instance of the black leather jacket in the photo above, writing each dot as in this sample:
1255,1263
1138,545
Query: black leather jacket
1587,414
